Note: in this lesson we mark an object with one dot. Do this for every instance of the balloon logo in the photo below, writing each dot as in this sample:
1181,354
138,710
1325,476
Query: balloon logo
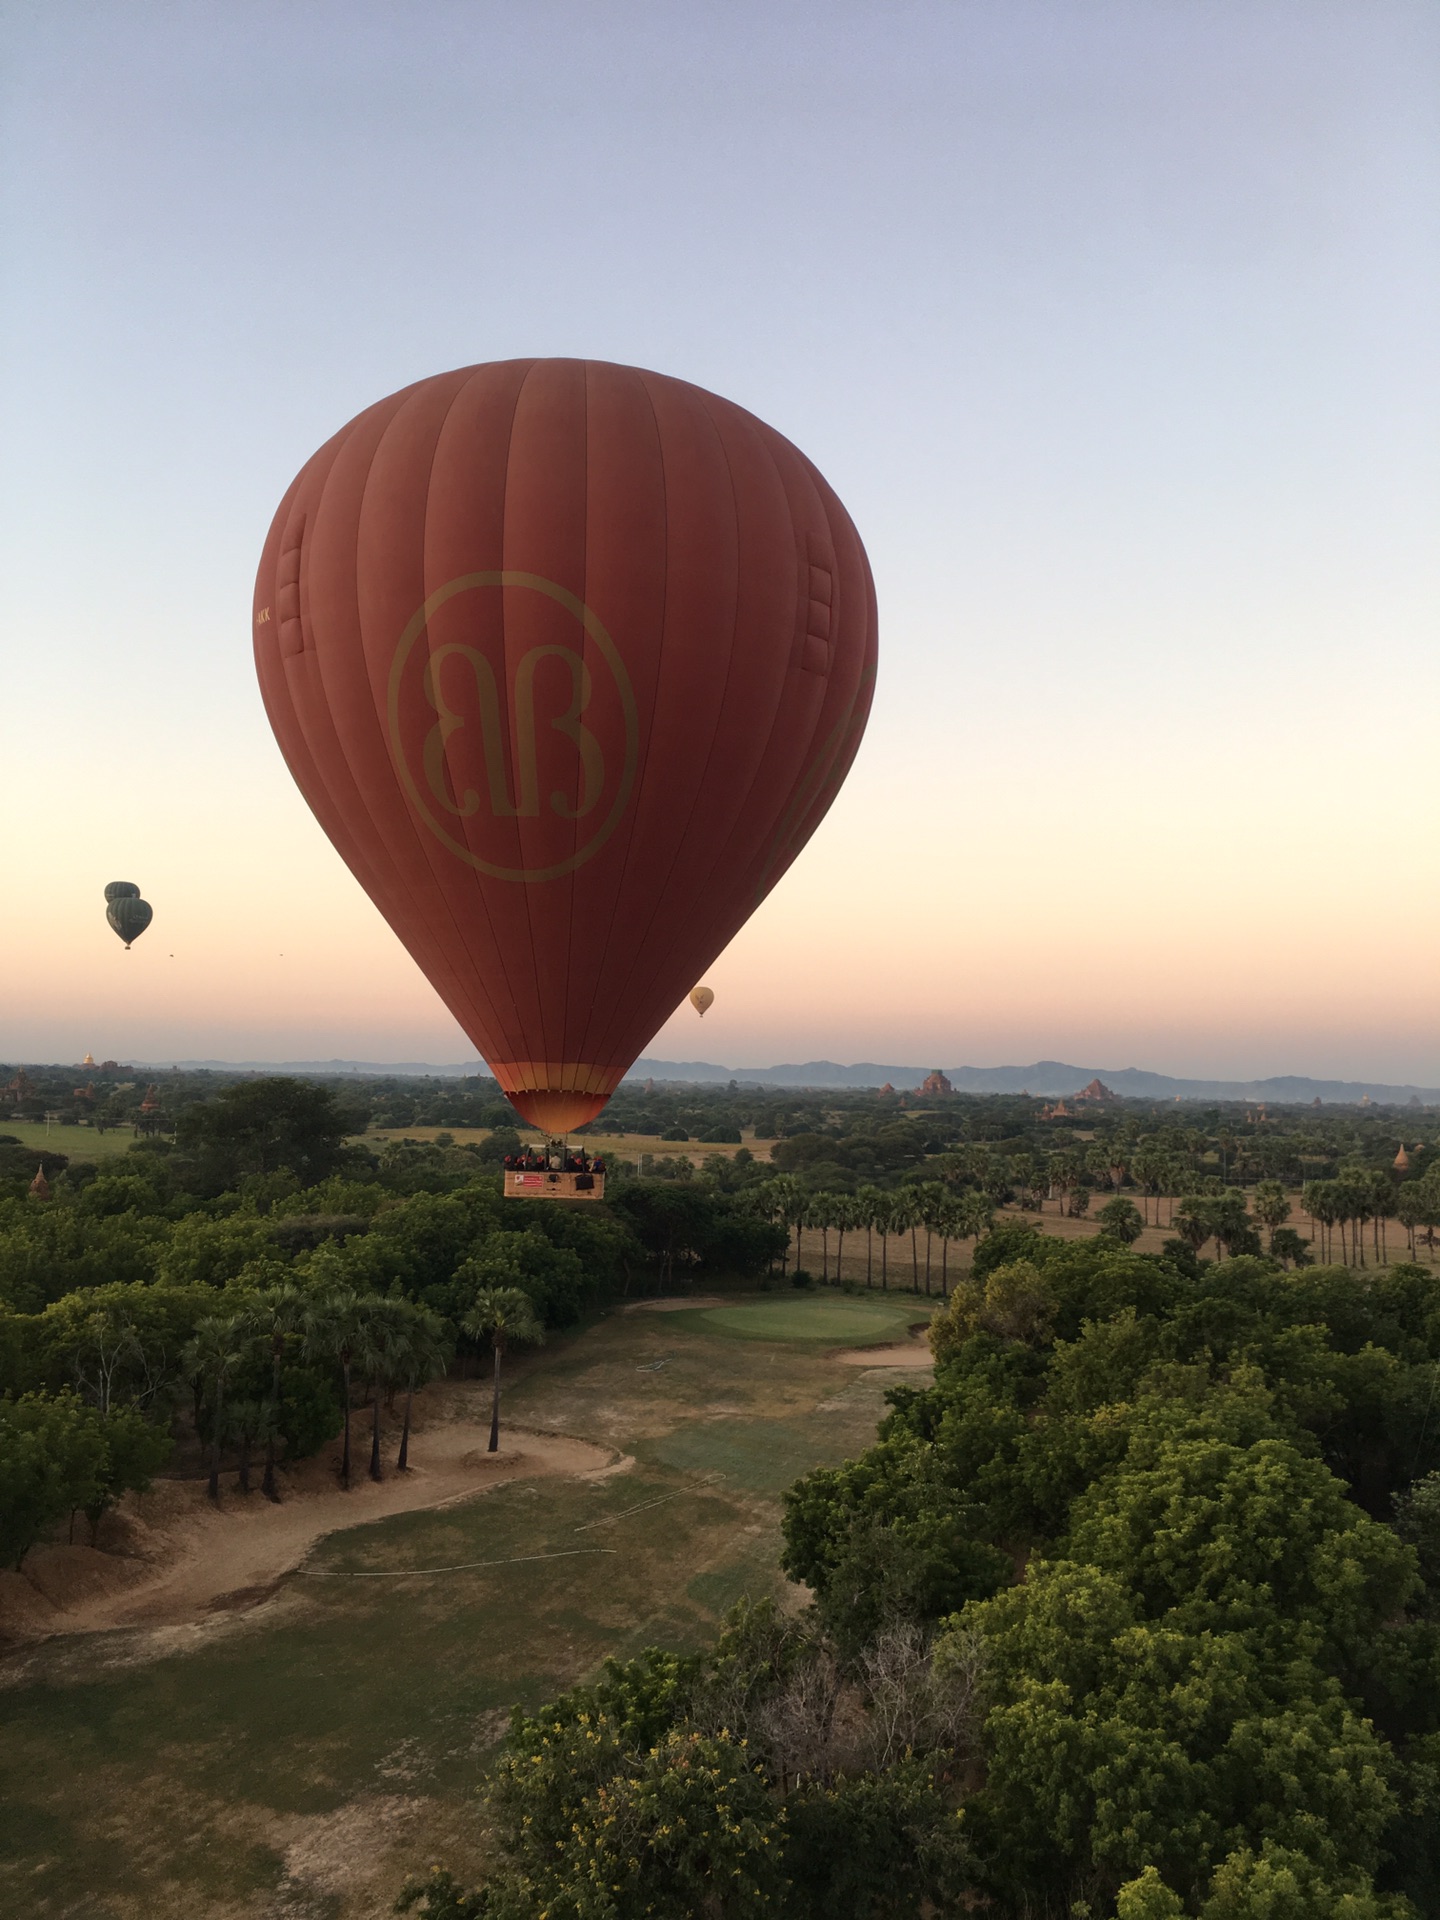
702,999
569,661
475,742
126,912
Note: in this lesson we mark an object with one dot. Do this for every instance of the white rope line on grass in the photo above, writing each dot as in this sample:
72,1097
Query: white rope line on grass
625,1512
465,1566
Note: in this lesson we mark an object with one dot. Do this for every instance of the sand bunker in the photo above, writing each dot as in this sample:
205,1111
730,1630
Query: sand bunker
173,1558
911,1353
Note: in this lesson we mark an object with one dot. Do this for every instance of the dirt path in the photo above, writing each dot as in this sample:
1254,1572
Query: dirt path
172,1559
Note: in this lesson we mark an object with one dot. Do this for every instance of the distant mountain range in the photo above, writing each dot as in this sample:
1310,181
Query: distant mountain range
1042,1077
1048,1077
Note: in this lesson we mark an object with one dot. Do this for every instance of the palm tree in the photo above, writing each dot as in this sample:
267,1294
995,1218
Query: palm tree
789,1203
950,1216
275,1317
334,1329
884,1223
249,1421
375,1355
868,1202
846,1213
934,1217
905,1217
978,1215
502,1314
1270,1206
217,1349
423,1351
819,1213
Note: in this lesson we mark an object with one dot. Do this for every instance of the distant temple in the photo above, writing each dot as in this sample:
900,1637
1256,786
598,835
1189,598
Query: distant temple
1058,1112
1401,1162
935,1082
18,1090
40,1186
887,1088
88,1061
1094,1094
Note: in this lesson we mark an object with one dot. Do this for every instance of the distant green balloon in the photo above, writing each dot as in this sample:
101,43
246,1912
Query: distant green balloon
129,916
121,890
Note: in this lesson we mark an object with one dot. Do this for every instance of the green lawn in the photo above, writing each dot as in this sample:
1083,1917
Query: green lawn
77,1143
842,1322
302,1758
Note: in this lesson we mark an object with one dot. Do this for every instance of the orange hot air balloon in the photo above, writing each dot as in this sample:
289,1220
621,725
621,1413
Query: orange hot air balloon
569,660
702,999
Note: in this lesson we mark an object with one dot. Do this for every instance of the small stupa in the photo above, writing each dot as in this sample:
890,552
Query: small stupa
1401,1162
88,1061
40,1186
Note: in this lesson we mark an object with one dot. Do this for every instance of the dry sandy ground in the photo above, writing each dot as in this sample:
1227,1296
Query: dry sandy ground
911,1353
173,1559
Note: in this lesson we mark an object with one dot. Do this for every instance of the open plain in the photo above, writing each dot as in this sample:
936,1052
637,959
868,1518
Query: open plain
305,1717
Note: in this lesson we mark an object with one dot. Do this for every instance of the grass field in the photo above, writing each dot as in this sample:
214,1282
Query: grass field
840,1323
300,1758
77,1143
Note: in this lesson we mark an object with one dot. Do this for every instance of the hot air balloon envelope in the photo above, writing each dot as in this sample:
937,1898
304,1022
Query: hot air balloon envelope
569,661
121,890
702,999
129,915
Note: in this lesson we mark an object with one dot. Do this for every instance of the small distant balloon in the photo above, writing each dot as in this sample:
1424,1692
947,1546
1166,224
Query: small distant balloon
702,999
127,913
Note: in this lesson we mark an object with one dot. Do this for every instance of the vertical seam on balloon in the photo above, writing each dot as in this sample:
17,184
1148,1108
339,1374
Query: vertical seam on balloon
396,866
809,814
505,654
719,713
605,1042
479,891
656,973
416,900
566,1052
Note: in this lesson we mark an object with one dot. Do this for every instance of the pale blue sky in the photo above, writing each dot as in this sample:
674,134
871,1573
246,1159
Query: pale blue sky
1115,327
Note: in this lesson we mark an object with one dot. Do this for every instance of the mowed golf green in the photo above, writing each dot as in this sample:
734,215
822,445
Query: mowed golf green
303,1757
843,1322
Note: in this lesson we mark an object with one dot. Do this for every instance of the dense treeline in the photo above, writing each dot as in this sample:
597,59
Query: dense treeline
827,1135
234,1292
1135,1613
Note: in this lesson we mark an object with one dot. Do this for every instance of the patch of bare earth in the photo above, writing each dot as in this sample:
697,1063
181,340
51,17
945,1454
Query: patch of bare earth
169,1558
913,1354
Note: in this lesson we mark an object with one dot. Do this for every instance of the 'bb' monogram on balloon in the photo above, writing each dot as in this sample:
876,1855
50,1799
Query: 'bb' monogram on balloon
524,773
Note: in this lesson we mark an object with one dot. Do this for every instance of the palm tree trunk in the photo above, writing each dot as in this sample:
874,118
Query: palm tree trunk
825,1250
375,1431
840,1256
944,1266
345,1455
267,1484
402,1461
884,1261
245,1462
929,1248
494,1446
215,1444
914,1258
869,1251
